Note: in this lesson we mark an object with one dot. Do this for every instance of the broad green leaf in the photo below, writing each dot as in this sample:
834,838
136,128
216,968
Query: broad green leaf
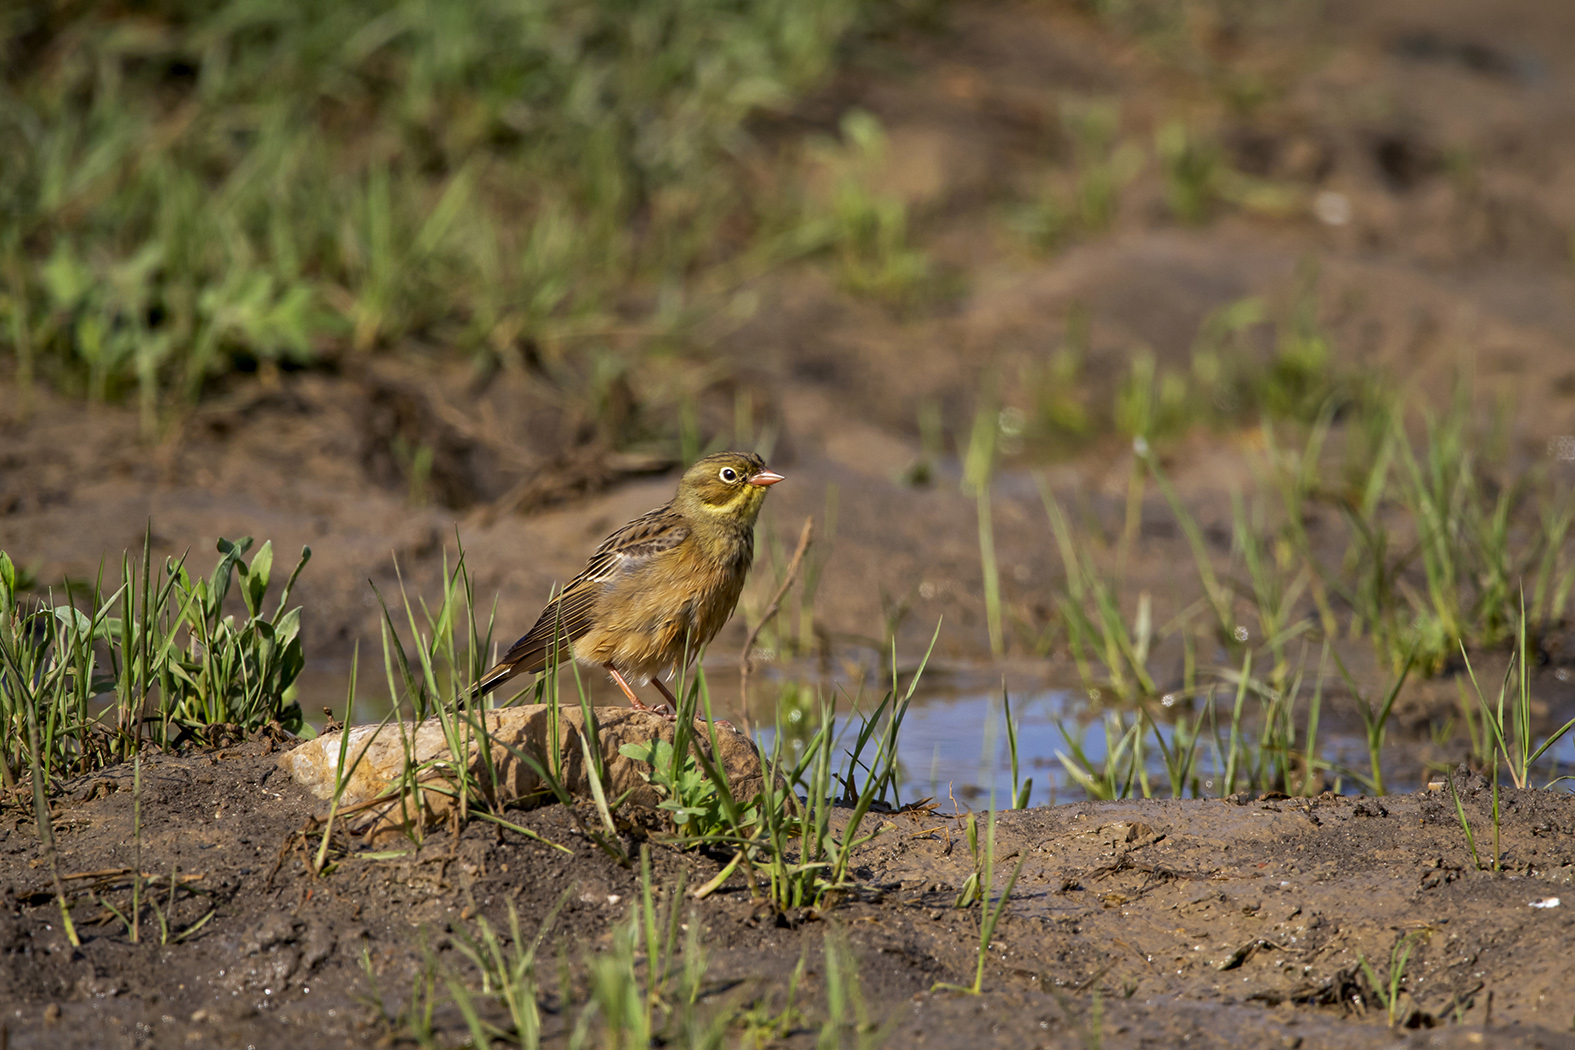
288,626
7,582
256,578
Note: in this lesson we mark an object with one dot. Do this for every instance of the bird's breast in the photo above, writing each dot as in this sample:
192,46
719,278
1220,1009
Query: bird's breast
663,612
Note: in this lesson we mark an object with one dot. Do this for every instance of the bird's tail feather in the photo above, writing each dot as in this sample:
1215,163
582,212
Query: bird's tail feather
496,677
519,661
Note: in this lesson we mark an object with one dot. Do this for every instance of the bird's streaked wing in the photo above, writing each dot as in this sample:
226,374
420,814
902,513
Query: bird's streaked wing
572,613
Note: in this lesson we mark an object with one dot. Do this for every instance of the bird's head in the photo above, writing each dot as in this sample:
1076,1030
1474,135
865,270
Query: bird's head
727,487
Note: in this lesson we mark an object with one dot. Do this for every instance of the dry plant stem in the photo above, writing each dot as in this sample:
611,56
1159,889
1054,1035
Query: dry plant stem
46,830
745,665
136,836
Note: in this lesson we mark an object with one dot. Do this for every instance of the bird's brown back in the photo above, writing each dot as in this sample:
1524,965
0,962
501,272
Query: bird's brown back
659,588
575,609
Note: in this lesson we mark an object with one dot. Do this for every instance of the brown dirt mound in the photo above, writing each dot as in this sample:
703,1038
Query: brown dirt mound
1209,923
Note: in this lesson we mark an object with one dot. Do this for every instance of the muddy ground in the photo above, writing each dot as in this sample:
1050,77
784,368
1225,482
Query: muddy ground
1224,923
1448,128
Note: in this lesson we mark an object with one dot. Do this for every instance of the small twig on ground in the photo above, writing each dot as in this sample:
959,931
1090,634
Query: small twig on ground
745,664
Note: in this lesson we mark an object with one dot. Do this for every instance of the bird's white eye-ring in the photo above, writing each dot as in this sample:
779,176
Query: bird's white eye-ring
729,475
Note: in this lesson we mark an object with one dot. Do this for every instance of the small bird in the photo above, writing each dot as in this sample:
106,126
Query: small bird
659,588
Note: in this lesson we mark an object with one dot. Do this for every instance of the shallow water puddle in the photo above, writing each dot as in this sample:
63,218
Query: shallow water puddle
953,745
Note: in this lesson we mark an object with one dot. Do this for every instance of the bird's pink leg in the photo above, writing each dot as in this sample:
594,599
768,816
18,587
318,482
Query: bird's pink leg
634,701
668,710
671,699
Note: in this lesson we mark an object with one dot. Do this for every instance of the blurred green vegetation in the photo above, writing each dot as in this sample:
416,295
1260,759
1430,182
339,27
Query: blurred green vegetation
1252,359
198,187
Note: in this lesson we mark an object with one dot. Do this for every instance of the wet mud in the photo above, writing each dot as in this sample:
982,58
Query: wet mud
1231,922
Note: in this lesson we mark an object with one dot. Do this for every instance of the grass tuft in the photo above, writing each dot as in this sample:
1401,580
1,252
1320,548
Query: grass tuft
159,660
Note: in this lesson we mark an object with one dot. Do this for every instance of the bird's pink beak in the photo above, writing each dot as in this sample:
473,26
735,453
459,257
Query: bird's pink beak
765,477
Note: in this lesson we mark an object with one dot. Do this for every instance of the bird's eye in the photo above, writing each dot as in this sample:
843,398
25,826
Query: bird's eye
729,475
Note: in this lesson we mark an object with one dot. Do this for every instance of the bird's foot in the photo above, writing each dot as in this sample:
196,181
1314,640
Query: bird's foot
660,709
